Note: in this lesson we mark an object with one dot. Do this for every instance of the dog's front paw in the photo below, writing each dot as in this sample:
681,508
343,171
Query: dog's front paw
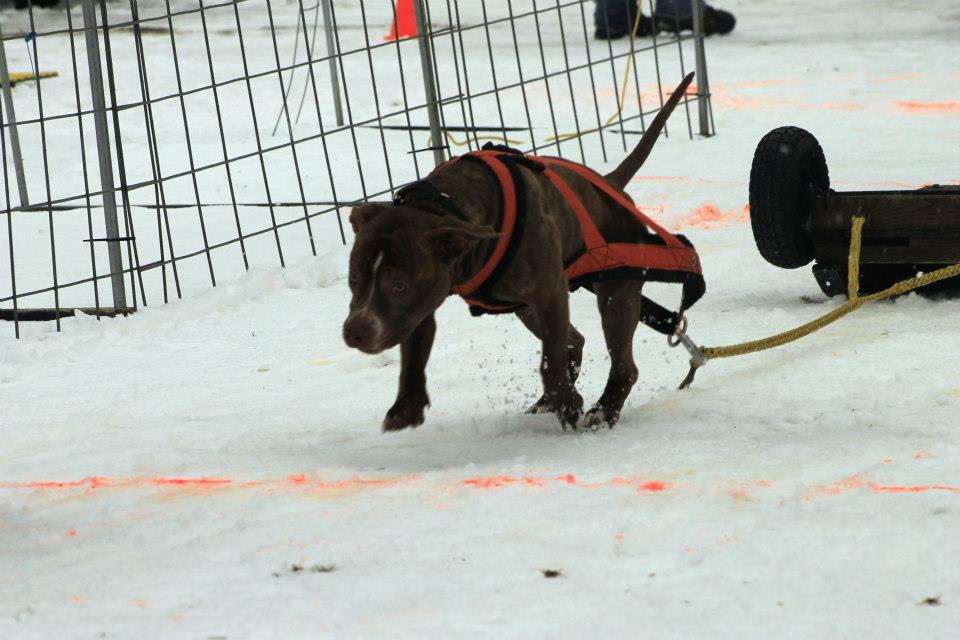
407,411
598,417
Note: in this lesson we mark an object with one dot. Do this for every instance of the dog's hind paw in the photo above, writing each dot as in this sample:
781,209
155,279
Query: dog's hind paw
568,413
599,417
569,417
540,406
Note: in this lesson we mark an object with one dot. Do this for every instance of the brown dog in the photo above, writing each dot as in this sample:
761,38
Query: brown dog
409,255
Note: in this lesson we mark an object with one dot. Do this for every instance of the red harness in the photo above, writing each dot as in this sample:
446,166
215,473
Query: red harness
665,258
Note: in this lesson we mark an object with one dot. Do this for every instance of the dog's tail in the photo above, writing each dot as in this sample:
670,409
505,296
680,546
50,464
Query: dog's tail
620,176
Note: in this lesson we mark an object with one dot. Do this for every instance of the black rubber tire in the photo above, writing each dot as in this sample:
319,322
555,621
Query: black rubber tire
877,277
873,277
948,289
787,161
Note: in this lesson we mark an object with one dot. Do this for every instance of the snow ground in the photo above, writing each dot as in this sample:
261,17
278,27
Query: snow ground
166,474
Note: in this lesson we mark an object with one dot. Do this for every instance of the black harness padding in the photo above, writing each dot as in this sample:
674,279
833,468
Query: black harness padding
424,190
484,295
658,318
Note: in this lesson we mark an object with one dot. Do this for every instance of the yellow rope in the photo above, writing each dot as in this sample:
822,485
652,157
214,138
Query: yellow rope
623,91
622,98
853,257
23,76
855,302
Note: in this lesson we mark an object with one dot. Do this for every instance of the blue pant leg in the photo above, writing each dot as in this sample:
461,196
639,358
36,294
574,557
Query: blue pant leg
676,8
619,14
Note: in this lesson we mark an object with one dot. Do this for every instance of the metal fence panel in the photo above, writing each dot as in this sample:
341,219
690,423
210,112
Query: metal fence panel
184,141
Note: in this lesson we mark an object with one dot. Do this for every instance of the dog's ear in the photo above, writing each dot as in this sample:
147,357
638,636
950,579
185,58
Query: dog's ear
364,214
451,240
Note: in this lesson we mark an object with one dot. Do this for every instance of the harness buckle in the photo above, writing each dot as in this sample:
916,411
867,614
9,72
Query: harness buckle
674,338
680,336
697,359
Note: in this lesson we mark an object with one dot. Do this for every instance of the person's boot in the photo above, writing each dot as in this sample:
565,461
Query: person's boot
715,21
613,32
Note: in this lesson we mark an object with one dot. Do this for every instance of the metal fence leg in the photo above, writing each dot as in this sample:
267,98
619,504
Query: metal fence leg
700,62
429,86
104,155
332,60
12,122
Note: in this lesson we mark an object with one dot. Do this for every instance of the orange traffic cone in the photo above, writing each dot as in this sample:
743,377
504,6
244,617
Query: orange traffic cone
404,23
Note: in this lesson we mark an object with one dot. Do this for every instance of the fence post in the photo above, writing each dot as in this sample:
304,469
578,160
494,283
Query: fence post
12,123
103,154
332,60
430,88
700,65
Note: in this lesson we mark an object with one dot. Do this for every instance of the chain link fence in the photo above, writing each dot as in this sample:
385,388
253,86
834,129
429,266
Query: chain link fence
152,147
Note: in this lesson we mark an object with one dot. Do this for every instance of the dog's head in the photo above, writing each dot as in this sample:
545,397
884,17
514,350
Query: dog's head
401,270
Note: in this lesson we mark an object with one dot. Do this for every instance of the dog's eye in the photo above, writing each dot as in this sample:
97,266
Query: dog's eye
399,287
352,280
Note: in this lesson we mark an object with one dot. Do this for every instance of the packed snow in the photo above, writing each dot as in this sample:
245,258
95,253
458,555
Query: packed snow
214,467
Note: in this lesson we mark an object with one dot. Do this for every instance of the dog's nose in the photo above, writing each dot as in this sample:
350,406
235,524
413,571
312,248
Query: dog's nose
357,333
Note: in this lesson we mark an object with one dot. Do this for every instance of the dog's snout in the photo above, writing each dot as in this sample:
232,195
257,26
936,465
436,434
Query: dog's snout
358,332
